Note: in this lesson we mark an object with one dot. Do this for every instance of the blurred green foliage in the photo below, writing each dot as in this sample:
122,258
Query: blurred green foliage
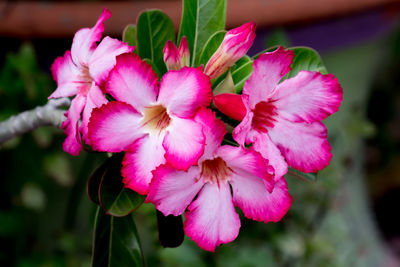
45,217
22,84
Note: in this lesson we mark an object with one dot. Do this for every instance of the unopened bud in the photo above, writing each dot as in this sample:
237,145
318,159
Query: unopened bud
176,59
235,45
184,52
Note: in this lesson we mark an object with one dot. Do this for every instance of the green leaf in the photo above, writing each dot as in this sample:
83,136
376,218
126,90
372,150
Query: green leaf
93,183
154,29
114,197
240,72
306,59
115,242
154,67
278,37
200,20
129,35
217,81
301,175
211,46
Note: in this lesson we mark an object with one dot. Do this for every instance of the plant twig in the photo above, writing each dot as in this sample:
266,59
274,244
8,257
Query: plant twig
47,115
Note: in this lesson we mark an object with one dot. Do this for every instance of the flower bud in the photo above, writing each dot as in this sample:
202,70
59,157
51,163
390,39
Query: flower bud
230,105
184,52
171,56
176,59
235,45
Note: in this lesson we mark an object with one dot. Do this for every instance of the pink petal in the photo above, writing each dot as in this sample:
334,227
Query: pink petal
268,70
263,144
85,39
308,97
184,91
253,198
231,105
212,219
114,127
103,58
72,143
303,145
144,156
184,143
241,160
67,76
235,45
214,131
172,58
184,52
95,99
171,191
240,39
133,81
244,133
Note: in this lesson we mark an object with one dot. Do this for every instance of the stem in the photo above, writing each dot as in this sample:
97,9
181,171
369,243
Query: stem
47,115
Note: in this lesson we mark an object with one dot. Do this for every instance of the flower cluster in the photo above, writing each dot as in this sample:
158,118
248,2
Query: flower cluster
173,140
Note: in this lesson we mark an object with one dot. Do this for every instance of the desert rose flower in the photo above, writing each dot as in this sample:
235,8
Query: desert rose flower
79,73
283,120
175,58
152,122
211,218
235,45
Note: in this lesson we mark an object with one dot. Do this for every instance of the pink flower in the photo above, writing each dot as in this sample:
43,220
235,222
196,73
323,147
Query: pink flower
152,122
283,120
79,73
176,59
235,45
211,218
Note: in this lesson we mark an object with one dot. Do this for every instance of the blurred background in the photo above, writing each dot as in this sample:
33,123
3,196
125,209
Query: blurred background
348,217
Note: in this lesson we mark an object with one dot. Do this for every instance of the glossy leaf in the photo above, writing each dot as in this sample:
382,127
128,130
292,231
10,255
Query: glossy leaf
170,230
154,67
211,46
115,242
114,197
278,37
154,29
240,72
301,175
200,20
219,80
129,35
306,59
93,183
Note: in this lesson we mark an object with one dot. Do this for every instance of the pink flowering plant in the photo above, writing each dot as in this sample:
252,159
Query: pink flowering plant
192,125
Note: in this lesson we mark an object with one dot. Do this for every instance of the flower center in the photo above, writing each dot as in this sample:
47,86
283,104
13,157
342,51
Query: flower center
263,118
156,118
86,81
215,170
